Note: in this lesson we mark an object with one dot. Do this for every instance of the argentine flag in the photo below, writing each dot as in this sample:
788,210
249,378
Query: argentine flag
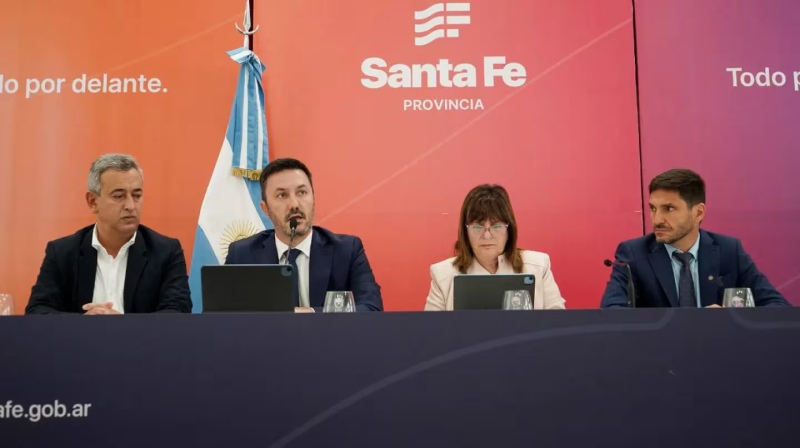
230,209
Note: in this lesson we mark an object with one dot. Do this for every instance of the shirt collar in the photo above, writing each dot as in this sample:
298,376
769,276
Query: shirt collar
304,247
692,250
97,246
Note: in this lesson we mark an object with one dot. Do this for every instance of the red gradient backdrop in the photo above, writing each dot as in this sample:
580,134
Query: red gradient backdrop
564,144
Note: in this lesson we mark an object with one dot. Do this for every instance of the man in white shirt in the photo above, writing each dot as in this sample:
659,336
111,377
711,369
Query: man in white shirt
325,261
116,265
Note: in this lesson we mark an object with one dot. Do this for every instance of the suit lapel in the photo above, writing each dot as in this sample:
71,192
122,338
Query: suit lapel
708,269
662,266
268,254
86,271
319,269
133,272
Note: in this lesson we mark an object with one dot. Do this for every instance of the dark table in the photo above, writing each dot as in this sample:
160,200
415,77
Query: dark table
580,378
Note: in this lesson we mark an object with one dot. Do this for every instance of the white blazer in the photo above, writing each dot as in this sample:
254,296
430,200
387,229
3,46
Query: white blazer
546,294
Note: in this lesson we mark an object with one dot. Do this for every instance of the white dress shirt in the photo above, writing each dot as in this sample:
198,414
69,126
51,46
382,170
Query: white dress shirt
109,281
303,260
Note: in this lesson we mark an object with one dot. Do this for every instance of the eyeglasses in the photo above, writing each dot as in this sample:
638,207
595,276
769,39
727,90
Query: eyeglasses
494,229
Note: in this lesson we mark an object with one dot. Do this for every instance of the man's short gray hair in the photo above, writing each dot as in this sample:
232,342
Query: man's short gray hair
119,162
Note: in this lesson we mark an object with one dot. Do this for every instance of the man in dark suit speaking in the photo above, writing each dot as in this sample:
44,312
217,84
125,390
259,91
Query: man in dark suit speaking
325,261
115,266
680,265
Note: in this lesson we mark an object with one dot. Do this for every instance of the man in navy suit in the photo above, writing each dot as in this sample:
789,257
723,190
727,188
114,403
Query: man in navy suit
325,261
680,265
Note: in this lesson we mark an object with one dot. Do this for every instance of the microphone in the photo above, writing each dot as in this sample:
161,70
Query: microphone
631,287
293,229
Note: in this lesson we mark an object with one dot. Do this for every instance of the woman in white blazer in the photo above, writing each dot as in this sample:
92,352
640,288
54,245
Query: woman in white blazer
487,244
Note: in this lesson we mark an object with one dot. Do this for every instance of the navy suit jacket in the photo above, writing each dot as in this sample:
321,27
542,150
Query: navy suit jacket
155,276
721,259
337,263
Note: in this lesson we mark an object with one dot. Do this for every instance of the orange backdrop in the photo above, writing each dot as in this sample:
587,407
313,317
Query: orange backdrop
48,141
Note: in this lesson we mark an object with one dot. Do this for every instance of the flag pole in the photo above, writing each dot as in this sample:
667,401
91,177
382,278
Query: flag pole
246,29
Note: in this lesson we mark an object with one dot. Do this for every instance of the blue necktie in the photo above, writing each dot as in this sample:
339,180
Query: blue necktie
686,295
292,259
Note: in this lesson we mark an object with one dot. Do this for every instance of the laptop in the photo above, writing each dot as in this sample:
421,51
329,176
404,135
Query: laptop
248,288
486,291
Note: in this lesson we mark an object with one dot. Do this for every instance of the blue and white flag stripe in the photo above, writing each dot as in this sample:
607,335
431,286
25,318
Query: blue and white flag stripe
247,132
230,209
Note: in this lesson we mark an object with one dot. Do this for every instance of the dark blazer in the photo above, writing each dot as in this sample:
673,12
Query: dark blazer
337,263
155,277
723,263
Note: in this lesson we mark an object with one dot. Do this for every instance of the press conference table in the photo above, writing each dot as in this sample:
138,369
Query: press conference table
578,378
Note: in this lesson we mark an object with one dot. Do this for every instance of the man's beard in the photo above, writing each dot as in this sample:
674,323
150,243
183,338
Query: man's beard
683,231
